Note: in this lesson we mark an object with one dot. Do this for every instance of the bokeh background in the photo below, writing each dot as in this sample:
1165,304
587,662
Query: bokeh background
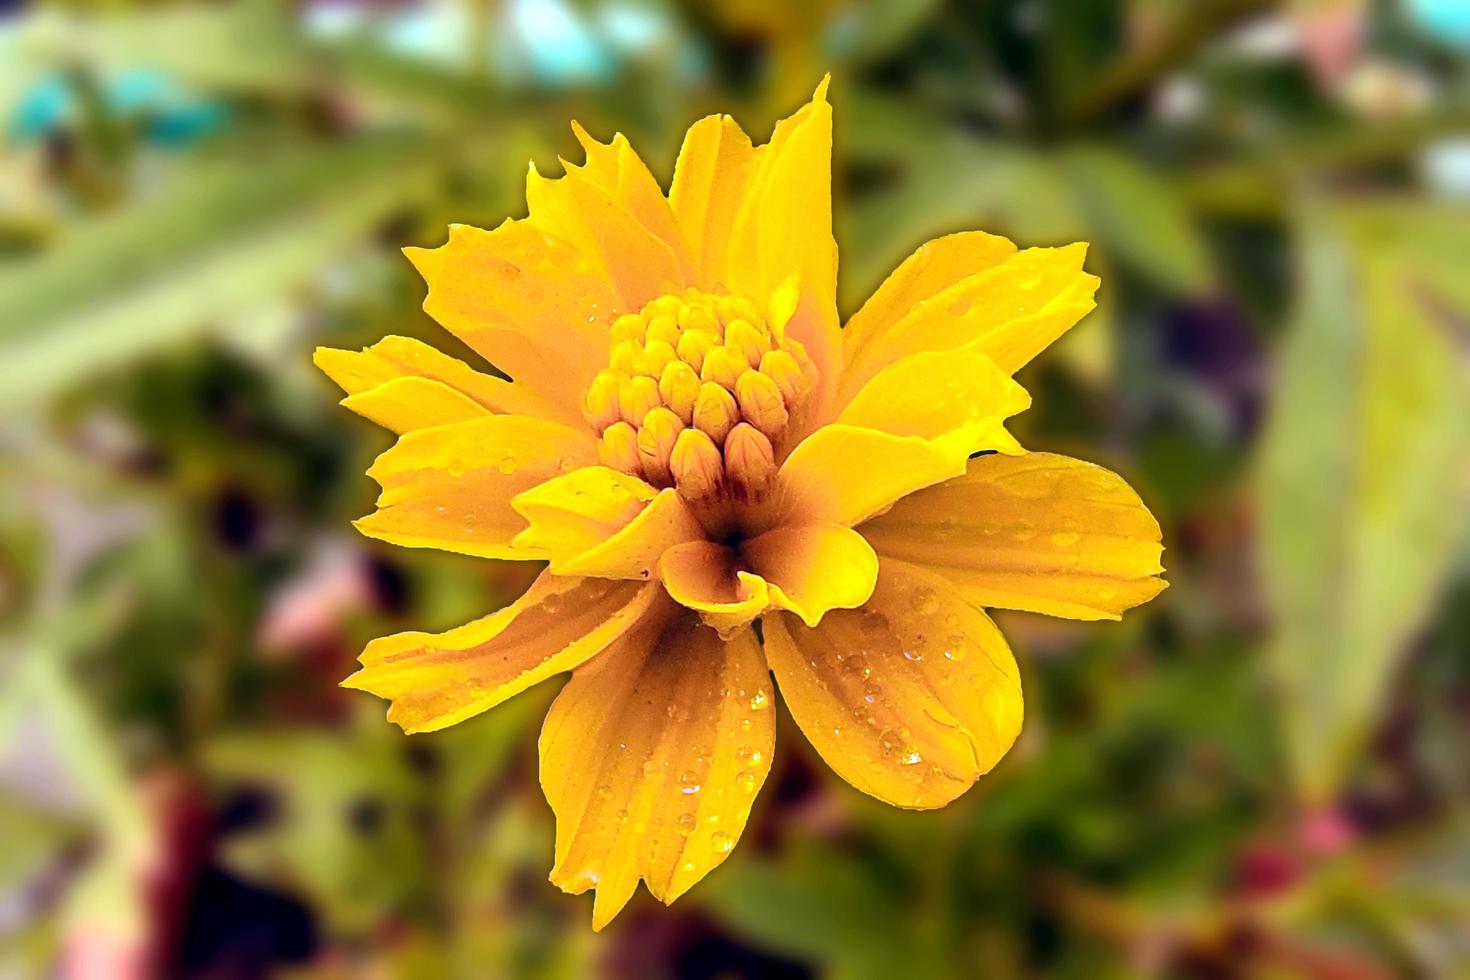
1264,773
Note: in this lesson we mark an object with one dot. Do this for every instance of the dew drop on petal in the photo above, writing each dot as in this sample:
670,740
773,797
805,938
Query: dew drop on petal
689,782
721,842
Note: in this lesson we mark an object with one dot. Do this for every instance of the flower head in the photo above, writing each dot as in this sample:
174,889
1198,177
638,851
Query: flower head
726,486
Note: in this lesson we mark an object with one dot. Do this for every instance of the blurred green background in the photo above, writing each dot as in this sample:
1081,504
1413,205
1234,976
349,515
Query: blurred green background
1262,773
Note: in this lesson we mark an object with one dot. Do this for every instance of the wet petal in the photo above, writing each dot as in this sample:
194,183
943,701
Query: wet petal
813,568
843,474
527,301
957,398
634,259
910,698
651,758
1039,532
436,680
1012,311
710,181
933,268
783,230
709,578
364,374
598,521
450,487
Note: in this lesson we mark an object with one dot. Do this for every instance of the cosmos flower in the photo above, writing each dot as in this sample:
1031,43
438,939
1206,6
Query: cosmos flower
727,487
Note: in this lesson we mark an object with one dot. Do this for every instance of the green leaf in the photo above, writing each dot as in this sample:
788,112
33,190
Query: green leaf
1362,481
1140,217
217,245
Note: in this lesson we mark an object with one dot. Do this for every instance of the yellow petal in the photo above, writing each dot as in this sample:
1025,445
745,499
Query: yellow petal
708,578
360,372
843,474
1039,532
436,680
450,487
597,521
910,698
618,170
783,229
1011,311
405,404
933,268
651,758
813,568
528,302
957,398
640,265
709,186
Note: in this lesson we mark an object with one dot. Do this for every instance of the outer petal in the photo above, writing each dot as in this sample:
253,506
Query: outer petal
957,398
813,568
617,169
651,758
784,229
580,209
367,376
527,301
708,578
450,487
1012,311
406,404
710,181
436,680
911,698
933,268
597,521
1039,532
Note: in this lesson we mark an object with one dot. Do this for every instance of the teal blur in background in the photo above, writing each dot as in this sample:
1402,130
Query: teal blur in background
1261,773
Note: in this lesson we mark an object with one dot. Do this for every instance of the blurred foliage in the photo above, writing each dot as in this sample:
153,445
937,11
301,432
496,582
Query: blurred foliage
1261,774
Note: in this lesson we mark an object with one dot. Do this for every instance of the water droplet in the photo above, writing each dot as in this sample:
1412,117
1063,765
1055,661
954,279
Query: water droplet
873,621
456,468
686,823
758,700
910,758
689,782
956,648
507,465
721,841
871,691
651,768
890,742
913,655
1065,539
747,781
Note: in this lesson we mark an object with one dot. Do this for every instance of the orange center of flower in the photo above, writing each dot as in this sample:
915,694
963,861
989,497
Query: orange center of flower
698,395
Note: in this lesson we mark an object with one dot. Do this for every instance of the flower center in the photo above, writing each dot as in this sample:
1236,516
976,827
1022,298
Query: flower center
697,395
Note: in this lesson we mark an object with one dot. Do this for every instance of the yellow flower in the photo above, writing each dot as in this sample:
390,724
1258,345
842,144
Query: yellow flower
696,448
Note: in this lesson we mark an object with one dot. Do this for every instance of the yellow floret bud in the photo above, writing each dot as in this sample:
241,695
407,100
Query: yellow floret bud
696,464
750,460
637,397
600,403
629,326
663,328
625,356
699,318
715,411
619,449
689,374
694,345
782,368
661,427
656,355
761,403
752,344
723,366
678,385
